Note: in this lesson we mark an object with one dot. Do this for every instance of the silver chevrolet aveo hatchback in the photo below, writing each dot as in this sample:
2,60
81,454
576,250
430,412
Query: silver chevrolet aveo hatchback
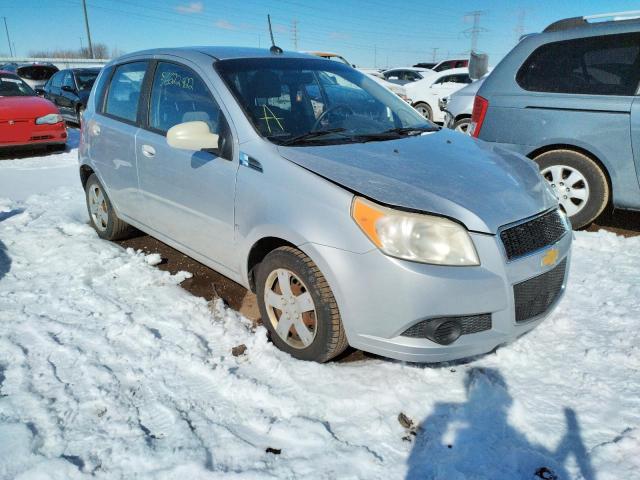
356,221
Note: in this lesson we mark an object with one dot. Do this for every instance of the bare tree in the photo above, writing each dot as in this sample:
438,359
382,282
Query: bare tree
100,50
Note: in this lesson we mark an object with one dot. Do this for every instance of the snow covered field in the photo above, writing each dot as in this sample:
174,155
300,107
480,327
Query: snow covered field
109,368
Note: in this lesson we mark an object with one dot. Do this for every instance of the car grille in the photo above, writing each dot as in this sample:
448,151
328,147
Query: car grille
468,323
533,235
533,297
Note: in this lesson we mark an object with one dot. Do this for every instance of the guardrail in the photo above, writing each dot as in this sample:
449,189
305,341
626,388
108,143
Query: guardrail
61,63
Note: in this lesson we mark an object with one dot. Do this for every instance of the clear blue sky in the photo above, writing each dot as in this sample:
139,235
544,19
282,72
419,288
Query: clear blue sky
393,33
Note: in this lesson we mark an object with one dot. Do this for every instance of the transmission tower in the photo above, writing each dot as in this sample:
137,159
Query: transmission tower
294,33
475,31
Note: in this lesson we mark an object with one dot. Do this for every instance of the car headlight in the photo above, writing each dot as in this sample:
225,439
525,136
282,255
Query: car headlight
49,119
413,236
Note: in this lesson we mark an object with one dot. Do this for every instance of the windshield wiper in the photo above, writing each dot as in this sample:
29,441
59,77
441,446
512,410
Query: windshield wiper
311,135
395,133
412,130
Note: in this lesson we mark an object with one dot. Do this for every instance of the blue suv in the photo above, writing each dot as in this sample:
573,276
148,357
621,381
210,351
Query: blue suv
568,99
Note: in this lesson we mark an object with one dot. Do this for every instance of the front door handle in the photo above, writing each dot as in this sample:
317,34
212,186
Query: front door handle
148,151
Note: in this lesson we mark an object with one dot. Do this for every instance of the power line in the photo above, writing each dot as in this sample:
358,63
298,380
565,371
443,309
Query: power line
8,37
86,24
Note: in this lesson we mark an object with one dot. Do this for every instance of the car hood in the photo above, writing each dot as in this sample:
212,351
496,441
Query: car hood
444,172
21,108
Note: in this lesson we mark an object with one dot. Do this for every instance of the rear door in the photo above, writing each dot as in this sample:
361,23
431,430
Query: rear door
52,88
68,95
188,196
112,142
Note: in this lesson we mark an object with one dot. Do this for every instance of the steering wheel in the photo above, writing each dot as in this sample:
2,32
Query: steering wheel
329,110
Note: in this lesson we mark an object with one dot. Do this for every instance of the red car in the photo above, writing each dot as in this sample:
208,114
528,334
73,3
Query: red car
27,120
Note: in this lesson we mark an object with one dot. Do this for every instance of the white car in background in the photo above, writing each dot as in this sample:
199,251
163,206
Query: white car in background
425,92
402,76
373,73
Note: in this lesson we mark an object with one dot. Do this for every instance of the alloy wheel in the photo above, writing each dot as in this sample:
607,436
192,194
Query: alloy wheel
290,308
98,208
569,186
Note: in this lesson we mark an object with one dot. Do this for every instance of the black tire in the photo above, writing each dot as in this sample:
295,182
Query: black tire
114,229
463,122
599,192
330,339
59,147
424,109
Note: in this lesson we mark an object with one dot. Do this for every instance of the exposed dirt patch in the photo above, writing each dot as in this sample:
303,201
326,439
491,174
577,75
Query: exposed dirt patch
621,222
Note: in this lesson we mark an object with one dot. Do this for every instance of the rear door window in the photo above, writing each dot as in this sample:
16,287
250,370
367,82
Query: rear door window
603,65
124,91
67,81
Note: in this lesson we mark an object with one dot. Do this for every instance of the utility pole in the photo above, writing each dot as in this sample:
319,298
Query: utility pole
294,33
375,56
476,29
86,24
8,38
433,56
520,25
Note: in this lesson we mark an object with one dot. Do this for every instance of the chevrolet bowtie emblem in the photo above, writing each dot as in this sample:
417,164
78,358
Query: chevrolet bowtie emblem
550,257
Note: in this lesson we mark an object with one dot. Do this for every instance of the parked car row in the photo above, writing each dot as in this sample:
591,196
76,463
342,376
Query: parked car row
29,121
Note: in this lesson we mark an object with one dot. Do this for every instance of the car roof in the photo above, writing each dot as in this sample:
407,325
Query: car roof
217,53
7,72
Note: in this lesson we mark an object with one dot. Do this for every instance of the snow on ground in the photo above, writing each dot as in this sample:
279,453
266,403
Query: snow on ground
108,367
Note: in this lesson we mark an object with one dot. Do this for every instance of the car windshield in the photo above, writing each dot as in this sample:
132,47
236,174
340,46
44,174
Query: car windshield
13,86
85,78
309,101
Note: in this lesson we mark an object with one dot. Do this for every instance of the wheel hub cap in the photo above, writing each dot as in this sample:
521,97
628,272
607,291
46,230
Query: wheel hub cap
290,308
98,208
569,186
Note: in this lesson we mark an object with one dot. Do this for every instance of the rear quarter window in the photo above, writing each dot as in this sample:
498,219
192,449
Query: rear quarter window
603,65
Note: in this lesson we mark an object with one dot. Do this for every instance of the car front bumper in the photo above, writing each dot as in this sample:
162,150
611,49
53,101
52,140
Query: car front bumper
380,297
26,133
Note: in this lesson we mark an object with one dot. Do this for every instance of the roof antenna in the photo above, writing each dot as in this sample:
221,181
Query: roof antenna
274,48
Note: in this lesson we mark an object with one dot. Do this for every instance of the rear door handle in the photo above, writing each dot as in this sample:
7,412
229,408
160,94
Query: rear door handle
148,151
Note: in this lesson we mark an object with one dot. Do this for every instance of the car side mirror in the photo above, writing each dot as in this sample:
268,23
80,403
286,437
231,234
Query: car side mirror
193,136
68,88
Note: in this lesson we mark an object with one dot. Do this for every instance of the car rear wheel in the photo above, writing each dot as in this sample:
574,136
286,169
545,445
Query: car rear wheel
462,125
103,218
578,182
297,306
424,109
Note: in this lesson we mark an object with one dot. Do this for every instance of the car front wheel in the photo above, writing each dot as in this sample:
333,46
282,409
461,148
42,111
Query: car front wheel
578,182
297,306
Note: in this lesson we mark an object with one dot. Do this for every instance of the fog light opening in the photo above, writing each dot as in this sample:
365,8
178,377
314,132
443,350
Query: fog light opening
444,331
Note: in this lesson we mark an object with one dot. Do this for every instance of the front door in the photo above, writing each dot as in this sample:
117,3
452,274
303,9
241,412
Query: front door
188,196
